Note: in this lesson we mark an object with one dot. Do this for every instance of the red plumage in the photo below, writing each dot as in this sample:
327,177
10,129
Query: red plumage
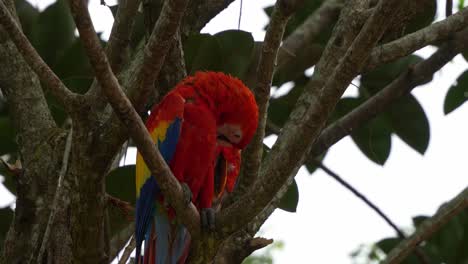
204,116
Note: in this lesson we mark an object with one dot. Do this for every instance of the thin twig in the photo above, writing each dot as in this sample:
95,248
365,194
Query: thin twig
128,251
188,215
448,8
30,55
59,194
419,252
428,228
240,15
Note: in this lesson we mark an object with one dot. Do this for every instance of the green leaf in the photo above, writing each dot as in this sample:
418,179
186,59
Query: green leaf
461,4
409,122
74,68
374,140
54,32
281,107
457,94
311,166
387,244
290,199
380,77
203,53
6,216
7,136
228,51
236,48
120,183
27,15
113,10
424,17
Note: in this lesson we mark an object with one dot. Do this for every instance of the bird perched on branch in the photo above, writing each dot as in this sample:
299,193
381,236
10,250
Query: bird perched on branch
206,117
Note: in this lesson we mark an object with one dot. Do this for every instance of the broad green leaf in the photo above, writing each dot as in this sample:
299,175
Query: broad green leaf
374,140
7,136
54,32
27,15
203,53
74,68
228,51
120,183
312,167
425,17
290,199
380,77
387,244
344,106
236,48
281,107
461,4
113,9
409,121
6,216
457,94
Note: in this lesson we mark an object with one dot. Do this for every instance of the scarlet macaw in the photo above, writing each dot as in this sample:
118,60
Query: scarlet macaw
204,116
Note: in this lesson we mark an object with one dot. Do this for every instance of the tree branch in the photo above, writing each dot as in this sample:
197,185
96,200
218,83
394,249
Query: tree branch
30,55
308,31
428,227
161,40
58,197
416,75
419,39
188,215
252,156
118,42
199,13
128,251
311,111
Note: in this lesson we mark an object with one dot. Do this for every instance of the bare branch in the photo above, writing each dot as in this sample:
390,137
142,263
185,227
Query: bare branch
58,197
419,39
188,215
306,33
119,240
199,13
161,40
128,251
30,55
416,75
118,40
310,114
252,156
428,227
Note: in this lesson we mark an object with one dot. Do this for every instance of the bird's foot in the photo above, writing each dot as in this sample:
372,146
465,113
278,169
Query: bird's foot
208,219
187,193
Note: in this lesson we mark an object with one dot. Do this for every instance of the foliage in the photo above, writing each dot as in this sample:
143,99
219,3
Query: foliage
448,245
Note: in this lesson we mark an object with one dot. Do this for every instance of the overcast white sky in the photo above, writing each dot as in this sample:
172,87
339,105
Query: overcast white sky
330,222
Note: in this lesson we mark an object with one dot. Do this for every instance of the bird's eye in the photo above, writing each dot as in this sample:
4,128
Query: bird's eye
237,135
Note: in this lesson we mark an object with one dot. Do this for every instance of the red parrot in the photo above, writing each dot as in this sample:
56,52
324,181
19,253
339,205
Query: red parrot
205,116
